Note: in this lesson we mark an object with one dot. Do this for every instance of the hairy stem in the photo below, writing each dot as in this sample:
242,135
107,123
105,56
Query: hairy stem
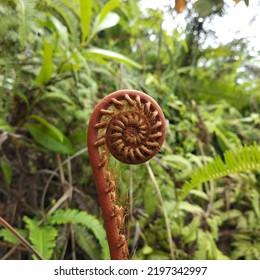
130,125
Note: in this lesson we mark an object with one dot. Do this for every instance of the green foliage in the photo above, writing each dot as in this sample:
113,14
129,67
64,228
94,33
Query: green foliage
47,138
58,58
46,70
207,249
244,159
43,236
88,221
96,53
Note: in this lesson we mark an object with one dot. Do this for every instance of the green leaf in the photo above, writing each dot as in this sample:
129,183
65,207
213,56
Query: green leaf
42,237
57,95
108,7
255,198
190,208
199,194
147,250
47,139
179,163
110,20
5,126
85,14
105,19
46,70
61,29
190,231
7,171
23,96
207,248
49,126
9,237
94,53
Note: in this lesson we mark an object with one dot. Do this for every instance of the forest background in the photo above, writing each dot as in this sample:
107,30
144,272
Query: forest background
197,199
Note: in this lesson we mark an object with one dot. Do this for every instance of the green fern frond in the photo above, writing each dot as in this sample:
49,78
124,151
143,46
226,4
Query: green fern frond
26,13
61,11
244,159
42,237
74,216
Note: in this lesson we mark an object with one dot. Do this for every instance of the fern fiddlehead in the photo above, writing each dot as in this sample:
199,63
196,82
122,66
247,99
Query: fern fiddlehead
130,125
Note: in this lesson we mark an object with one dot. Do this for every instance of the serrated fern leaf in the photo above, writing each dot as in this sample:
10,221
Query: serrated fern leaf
87,242
41,237
74,216
244,159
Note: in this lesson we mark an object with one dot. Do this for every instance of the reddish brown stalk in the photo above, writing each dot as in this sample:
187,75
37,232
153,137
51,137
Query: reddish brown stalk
130,125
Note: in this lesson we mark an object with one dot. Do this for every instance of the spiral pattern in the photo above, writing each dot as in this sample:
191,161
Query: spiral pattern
130,139
134,128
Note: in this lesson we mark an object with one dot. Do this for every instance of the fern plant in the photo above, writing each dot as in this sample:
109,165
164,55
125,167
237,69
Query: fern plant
74,216
43,237
244,159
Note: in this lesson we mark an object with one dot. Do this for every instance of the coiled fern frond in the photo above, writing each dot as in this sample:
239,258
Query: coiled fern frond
244,159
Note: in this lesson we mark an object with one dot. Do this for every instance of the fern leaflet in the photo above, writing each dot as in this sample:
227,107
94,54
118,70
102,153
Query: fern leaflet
42,238
244,159
74,216
9,237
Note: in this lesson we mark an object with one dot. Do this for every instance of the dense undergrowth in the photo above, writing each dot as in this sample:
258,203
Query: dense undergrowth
58,58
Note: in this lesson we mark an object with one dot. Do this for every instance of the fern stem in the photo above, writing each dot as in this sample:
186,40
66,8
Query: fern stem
130,125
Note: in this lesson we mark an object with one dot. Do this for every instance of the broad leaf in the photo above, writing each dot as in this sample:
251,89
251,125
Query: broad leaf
47,139
108,7
105,19
110,20
94,53
46,70
85,14
49,126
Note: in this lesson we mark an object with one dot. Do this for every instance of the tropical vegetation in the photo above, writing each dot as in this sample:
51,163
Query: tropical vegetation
197,199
